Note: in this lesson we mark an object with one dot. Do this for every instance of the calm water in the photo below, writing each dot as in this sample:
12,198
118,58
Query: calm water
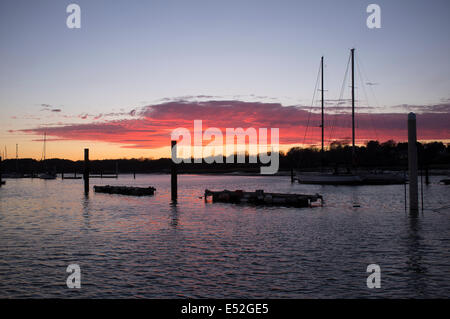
146,247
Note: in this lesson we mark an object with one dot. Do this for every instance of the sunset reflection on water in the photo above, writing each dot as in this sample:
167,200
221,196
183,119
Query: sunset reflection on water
150,247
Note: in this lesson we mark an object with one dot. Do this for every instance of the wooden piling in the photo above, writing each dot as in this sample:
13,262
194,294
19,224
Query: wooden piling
1,171
412,164
404,175
17,158
86,171
173,179
292,175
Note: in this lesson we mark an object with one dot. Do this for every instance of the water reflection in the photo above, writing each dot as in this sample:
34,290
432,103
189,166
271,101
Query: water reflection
414,264
355,198
145,246
85,208
173,214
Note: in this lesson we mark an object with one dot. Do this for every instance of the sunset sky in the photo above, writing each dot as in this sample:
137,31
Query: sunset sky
136,70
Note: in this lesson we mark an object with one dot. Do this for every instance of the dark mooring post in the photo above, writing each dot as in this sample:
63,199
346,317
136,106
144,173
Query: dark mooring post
412,165
0,171
292,174
86,171
173,171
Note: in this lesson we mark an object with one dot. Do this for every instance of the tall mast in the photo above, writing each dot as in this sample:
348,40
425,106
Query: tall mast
17,157
321,66
353,106
45,137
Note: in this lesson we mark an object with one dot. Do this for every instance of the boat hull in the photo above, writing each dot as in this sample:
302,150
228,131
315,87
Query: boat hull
47,176
329,179
351,179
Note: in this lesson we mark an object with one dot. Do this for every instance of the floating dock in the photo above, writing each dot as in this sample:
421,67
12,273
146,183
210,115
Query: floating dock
124,190
103,176
259,197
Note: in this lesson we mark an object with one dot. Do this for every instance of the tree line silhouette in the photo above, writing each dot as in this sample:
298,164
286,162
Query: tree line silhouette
373,155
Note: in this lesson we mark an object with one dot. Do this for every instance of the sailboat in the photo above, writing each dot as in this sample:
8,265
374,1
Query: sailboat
16,173
349,178
48,174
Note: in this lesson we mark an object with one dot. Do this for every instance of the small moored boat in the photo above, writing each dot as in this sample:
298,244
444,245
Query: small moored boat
351,179
329,179
47,176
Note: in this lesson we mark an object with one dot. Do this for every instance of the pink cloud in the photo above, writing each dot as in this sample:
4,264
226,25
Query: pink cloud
153,124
